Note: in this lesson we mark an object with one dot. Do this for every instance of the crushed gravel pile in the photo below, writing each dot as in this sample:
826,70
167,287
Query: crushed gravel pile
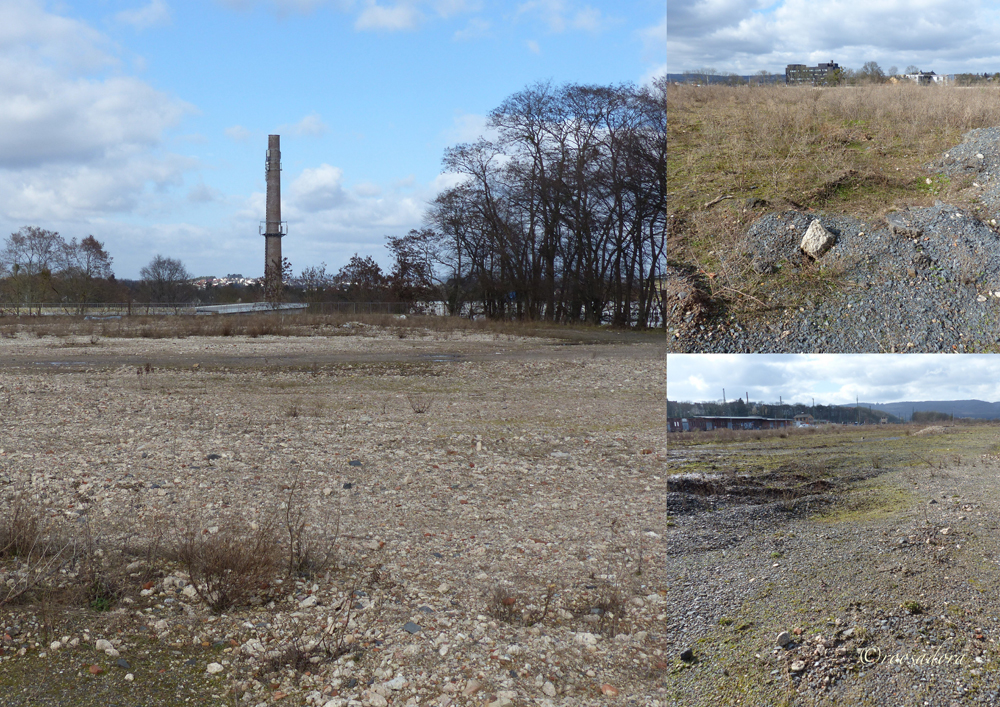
918,280
977,157
925,279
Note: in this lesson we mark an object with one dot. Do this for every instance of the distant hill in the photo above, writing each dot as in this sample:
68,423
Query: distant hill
977,409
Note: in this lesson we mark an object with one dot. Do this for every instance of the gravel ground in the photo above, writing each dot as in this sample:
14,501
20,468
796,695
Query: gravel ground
441,483
919,280
889,601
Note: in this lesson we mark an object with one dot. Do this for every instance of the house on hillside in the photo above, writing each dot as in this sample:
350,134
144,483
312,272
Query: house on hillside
802,74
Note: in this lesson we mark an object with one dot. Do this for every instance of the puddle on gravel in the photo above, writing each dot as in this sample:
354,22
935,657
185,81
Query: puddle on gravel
442,358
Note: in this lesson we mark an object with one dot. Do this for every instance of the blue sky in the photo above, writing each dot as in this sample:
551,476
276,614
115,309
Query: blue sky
145,123
833,379
745,36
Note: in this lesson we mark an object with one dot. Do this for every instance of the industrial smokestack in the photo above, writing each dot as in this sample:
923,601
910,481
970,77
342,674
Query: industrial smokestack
273,228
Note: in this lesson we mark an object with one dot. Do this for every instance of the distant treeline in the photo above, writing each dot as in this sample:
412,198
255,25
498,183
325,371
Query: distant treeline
739,408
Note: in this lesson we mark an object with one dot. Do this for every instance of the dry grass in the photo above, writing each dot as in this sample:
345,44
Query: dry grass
256,325
858,150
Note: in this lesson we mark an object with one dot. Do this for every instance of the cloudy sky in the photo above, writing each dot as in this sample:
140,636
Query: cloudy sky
745,36
833,378
145,122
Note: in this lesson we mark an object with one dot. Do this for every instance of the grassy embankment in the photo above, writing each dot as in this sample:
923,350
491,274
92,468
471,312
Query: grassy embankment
856,150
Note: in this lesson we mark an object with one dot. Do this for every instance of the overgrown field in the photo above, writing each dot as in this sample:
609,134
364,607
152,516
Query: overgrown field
854,150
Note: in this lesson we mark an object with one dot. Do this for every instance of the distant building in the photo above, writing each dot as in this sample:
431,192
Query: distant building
800,73
926,77
803,419
708,423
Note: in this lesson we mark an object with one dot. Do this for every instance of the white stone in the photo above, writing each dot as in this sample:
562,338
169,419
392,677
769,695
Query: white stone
336,702
549,689
817,240
309,601
214,668
103,645
129,677
55,645
396,683
586,639
189,591
444,587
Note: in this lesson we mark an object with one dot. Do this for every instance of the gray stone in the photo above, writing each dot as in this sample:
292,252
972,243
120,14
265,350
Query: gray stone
784,638
798,666
817,240
687,656
411,627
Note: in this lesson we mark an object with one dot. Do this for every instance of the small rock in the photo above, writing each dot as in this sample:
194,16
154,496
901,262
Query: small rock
817,240
945,531
129,677
396,683
336,702
103,645
798,666
309,601
609,690
472,687
444,588
687,656
376,700
411,627
784,638
96,670
122,663
55,645
214,668
549,689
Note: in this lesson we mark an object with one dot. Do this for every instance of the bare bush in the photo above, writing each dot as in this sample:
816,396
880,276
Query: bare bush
234,564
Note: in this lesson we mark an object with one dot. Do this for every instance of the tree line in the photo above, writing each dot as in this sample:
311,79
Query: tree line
560,216
836,414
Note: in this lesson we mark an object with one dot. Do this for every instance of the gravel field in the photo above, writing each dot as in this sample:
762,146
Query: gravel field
883,586
919,280
485,516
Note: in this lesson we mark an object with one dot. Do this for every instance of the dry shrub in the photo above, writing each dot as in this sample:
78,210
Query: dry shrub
502,604
232,566
31,551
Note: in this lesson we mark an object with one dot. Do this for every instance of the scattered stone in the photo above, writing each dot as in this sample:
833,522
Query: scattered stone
411,627
817,240
396,683
308,602
472,687
122,663
549,689
103,645
96,670
609,690
214,668
688,655
784,639
129,677
355,462
797,666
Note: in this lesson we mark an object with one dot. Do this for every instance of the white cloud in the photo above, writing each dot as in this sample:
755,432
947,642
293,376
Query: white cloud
739,36
450,8
48,117
400,17
311,125
467,127
202,194
533,47
32,36
476,28
237,133
589,19
654,40
318,189
154,14
834,378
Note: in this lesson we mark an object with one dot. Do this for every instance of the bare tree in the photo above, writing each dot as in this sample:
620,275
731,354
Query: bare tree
363,279
29,257
165,280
